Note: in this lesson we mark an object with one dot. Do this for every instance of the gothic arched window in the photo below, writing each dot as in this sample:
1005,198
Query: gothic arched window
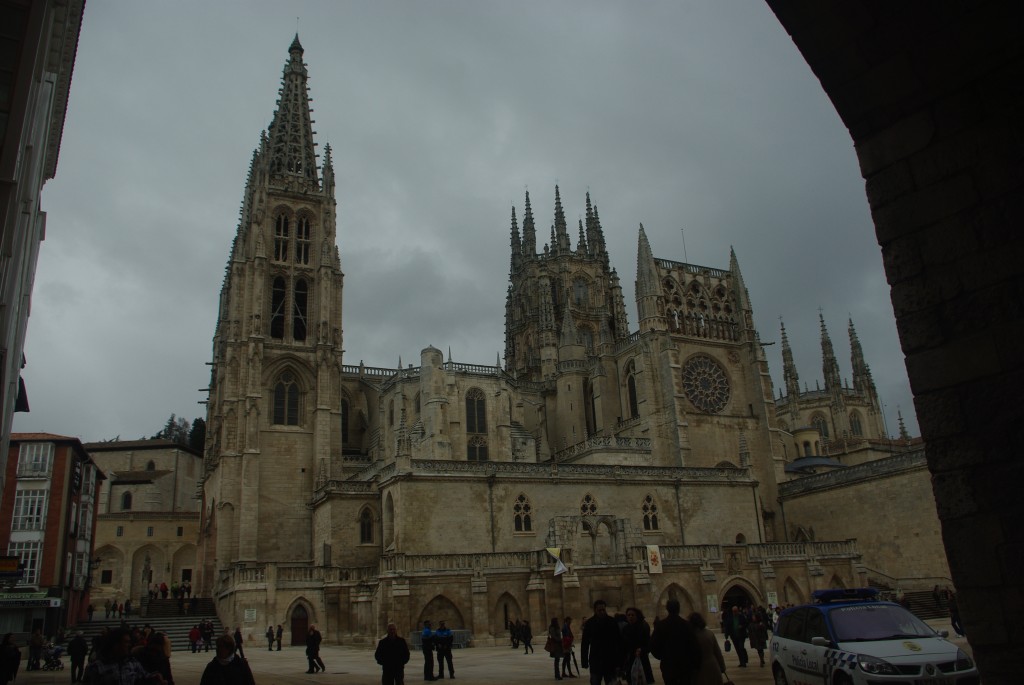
855,427
302,240
523,514
820,425
286,400
588,505
151,465
579,292
126,501
476,448
277,296
281,238
366,527
650,511
587,339
476,411
300,309
634,410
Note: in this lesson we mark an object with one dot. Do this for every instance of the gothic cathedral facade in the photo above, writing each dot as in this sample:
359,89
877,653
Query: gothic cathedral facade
648,461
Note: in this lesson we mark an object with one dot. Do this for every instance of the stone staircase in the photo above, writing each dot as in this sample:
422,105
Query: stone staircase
163,615
922,605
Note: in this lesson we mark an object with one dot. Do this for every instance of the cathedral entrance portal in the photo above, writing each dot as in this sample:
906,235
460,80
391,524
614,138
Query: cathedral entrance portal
736,596
300,625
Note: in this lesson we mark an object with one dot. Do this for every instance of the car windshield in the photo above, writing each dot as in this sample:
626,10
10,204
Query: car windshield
863,622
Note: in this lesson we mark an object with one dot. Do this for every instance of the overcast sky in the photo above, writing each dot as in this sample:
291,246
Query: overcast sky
679,115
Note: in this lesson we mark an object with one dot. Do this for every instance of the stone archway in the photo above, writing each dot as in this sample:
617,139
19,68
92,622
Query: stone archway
440,608
924,94
299,620
506,610
674,591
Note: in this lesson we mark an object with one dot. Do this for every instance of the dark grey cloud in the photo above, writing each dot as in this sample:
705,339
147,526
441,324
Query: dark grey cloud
699,116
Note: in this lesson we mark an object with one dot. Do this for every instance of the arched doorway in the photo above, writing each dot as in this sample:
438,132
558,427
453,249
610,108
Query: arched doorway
442,609
736,595
506,611
300,625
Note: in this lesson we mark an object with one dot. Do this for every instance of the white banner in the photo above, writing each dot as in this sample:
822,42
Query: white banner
653,559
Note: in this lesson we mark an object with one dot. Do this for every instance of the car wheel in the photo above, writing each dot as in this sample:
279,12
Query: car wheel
842,679
780,676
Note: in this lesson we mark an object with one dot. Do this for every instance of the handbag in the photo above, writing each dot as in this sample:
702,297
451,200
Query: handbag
549,646
728,645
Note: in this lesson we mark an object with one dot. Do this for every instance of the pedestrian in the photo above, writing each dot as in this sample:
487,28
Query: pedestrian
163,590
155,656
712,661
954,615
637,636
90,610
10,659
270,638
734,627
114,663
127,607
194,636
279,635
78,649
675,645
601,650
106,609
313,639
120,610
227,668
553,646
427,646
35,649
567,639
937,597
526,637
238,642
392,654
515,629
758,634
443,639
206,630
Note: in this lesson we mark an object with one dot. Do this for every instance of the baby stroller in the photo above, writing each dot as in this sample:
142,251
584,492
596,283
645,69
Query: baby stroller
51,658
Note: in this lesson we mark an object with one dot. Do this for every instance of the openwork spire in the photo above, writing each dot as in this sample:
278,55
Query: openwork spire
789,374
862,380
292,153
829,365
560,242
529,230
516,244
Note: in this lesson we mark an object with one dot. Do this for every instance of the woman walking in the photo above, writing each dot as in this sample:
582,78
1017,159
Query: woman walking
567,639
637,636
554,646
712,662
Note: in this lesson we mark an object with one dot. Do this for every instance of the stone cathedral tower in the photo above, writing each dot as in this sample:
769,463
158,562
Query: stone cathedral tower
274,407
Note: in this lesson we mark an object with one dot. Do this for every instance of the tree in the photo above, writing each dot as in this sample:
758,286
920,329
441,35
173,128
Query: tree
197,436
176,429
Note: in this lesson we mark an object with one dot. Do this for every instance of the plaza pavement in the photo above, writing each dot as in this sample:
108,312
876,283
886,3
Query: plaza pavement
355,666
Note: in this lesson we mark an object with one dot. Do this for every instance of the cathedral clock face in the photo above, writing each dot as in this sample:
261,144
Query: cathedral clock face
705,384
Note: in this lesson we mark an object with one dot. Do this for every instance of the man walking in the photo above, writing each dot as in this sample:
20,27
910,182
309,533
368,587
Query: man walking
78,648
280,634
602,647
675,644
313,641
734,627
392,654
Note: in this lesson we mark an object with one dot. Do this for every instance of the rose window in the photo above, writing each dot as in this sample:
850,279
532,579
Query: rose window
706,384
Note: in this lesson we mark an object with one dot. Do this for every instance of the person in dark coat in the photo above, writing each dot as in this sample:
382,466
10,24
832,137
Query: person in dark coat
78,649
637,635
238,641
313,640
734,627
602,647
392,654
10,659
155,656
227,668
675,644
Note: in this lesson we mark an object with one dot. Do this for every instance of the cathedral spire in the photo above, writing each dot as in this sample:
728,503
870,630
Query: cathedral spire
561,233
328,171
789,375
904,434
292,152
829,365
516,243
862,381
581,242
646,285
529,232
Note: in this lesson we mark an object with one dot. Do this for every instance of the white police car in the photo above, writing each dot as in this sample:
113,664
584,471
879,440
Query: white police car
850,637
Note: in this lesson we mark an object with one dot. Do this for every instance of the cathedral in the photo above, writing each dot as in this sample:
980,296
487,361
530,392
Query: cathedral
596,461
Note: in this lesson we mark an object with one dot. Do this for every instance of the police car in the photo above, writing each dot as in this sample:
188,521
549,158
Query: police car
850,637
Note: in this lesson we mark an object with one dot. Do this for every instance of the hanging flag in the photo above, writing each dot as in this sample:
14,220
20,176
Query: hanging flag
560,568
653,559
